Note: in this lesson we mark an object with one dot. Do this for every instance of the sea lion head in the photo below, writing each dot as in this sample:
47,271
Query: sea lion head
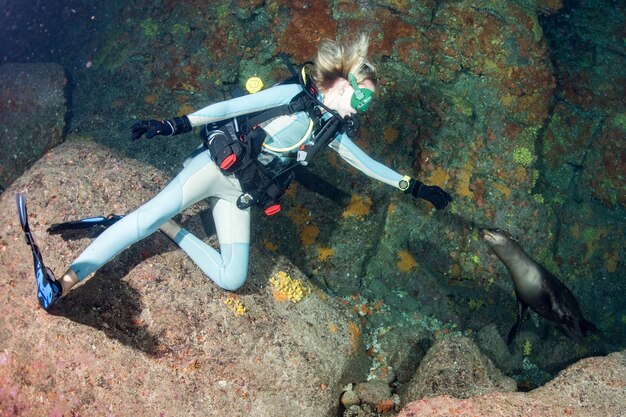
496,237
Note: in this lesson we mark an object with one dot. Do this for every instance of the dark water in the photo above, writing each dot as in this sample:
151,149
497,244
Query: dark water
33,31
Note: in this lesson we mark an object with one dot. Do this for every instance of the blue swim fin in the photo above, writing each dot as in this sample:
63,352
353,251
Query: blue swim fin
85,223
49,290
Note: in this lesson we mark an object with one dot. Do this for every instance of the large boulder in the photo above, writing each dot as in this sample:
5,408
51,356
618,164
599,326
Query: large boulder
32,115
455,366
149,334
589,388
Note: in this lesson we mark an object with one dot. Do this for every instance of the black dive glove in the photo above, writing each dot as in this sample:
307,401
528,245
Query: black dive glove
151,128
432,193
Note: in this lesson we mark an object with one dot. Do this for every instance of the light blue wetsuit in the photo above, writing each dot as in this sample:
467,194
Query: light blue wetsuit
201,178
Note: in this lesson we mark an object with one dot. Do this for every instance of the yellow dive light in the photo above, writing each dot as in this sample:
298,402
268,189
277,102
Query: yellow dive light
254,85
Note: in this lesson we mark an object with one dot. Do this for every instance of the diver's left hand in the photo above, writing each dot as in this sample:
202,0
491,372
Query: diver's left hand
436,195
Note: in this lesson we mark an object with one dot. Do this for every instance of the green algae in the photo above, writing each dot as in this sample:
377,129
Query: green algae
620,120
223,11
463,105
149,28
475,304
546,259
532,374
527,348
111,55
523,156
535,174
181,29
536,29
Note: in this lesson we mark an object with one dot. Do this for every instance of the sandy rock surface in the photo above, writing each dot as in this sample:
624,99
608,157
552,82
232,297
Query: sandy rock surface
149,334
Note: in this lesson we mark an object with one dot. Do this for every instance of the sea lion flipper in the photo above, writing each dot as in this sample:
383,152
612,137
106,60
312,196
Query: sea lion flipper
588,327
521,309
512,333
578,327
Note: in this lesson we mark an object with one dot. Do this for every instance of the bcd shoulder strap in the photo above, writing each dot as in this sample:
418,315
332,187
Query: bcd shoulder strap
301,102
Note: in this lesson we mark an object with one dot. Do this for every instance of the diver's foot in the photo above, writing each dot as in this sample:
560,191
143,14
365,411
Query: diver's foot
67,281
49,290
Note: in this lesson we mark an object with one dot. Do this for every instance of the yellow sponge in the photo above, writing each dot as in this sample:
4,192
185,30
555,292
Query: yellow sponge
286,288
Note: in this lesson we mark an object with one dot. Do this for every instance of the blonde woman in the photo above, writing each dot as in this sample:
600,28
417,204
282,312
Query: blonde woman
251,144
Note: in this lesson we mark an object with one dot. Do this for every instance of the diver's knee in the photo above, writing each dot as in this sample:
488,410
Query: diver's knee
235,267
234,279
234,276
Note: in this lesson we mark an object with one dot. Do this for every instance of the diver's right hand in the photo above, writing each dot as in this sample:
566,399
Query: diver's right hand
152,128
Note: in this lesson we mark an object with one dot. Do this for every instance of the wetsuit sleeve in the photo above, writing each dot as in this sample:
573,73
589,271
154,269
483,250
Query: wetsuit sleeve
344,146
263,100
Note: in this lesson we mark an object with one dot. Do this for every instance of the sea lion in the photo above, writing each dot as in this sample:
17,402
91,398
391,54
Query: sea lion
537,288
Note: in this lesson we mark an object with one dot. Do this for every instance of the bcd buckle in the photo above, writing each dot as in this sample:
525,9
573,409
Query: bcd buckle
245,200
273,209
228,161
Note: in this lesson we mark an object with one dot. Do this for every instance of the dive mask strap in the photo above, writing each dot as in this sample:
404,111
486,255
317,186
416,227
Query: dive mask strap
361,97
357,90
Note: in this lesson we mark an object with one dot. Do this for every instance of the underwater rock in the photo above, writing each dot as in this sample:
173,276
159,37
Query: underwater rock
593,99
150,334
349,397
454,366
492,343
32,115
373,392
406,348
369,399
543,6
607,157
589,388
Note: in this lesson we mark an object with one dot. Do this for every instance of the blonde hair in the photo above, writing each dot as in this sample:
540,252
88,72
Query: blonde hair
335,60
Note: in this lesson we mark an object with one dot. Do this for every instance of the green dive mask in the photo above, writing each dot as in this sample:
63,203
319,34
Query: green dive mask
361,97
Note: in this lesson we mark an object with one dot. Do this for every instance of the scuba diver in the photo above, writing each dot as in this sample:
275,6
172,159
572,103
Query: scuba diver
250,146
